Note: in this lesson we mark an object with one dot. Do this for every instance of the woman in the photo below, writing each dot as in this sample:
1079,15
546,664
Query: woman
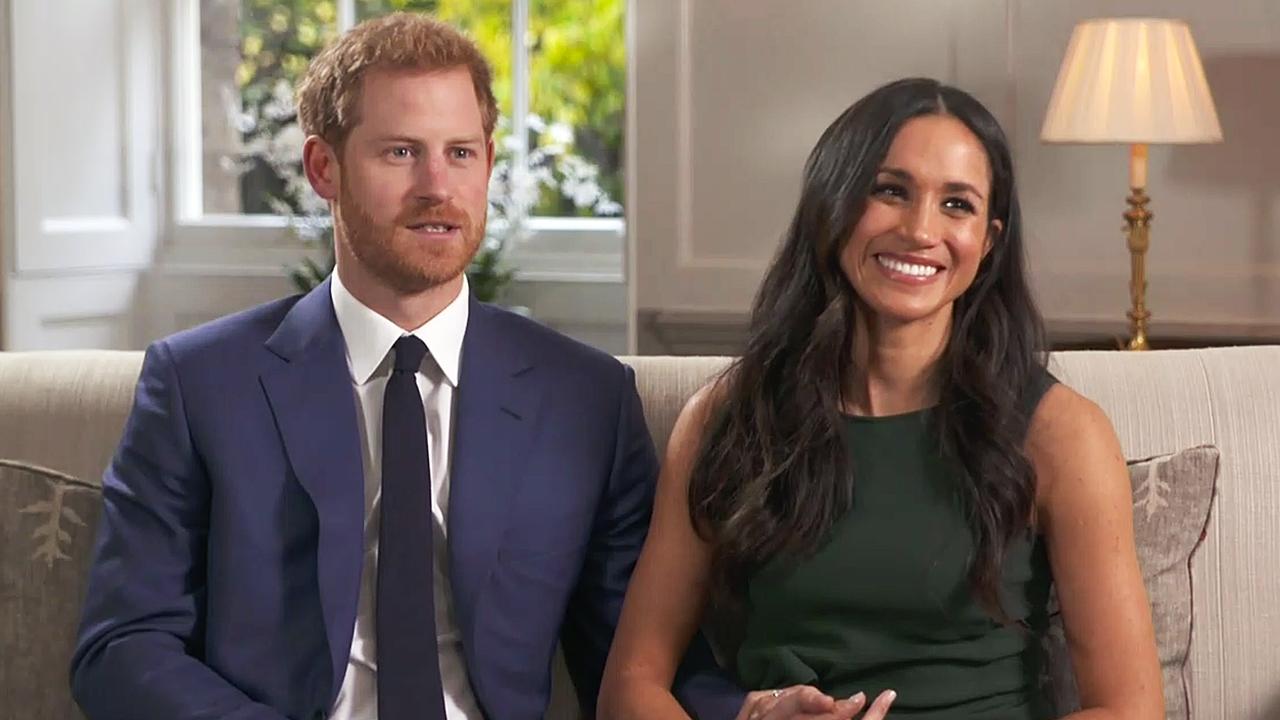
881,488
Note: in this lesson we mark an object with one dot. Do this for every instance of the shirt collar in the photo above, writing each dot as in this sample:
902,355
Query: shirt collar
369,336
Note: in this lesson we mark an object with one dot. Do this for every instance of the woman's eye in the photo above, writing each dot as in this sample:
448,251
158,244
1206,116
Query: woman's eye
889,190
959,204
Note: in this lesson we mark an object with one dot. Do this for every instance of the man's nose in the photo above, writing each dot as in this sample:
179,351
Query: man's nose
431,181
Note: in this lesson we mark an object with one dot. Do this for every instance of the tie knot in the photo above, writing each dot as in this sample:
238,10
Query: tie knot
409,353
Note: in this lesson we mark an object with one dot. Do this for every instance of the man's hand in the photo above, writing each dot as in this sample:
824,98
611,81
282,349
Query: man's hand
805,702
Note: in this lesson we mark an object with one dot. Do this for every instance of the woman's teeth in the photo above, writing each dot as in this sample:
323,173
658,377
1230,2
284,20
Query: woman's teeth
907,268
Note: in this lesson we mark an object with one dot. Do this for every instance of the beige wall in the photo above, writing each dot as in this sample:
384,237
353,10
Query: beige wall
731,95
6,169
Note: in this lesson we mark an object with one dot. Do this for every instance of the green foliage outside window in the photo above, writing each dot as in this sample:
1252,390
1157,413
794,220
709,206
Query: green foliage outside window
577,80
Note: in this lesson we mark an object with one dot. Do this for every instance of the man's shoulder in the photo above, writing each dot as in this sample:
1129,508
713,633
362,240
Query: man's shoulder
545,346
232,335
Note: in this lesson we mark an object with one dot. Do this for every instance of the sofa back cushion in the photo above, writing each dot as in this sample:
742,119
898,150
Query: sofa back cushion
47,527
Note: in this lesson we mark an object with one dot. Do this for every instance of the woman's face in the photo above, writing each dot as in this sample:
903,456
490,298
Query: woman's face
926,226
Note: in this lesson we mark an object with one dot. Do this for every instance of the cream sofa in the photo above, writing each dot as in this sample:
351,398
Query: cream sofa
65,410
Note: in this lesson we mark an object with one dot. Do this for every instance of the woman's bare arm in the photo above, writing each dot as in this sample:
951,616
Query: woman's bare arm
1085,506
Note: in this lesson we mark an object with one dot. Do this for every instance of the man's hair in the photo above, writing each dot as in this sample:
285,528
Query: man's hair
329,95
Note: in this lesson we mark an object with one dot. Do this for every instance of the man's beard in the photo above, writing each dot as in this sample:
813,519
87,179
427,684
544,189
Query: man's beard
393,254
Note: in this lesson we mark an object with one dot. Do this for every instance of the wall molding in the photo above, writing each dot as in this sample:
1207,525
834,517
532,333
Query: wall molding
687,257
68,239
98,311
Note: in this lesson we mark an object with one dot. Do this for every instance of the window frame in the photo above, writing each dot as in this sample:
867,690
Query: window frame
559,249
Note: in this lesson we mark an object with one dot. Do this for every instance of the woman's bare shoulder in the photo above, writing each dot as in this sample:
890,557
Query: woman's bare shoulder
696,414
1065,419
1071,438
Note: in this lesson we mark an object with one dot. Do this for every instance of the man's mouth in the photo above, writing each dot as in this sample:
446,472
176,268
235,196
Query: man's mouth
435,228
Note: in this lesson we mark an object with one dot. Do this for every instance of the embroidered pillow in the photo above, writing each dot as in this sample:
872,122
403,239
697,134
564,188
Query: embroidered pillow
1172,497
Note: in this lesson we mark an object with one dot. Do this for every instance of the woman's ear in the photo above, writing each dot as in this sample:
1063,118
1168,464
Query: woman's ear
993,233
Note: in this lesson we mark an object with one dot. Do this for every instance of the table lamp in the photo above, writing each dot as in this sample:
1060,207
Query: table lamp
1134,81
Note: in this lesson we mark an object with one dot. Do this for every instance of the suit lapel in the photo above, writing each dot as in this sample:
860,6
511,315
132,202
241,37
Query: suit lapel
496,407
314,408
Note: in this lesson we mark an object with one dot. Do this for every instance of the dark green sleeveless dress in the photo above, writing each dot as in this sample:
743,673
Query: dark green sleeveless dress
885,604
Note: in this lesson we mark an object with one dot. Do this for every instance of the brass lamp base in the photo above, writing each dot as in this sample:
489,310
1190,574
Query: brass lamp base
1138,231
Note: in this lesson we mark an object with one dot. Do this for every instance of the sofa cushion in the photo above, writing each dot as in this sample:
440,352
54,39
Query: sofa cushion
47,523
1172,497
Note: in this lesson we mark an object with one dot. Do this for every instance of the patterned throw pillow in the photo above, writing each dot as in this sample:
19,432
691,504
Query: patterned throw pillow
1172,497
47,528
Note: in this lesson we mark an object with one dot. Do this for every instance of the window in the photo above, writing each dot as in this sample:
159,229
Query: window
560,135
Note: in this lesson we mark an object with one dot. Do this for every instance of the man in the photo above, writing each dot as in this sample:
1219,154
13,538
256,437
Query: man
381,499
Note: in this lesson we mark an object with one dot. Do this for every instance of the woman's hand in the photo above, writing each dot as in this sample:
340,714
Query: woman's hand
805,702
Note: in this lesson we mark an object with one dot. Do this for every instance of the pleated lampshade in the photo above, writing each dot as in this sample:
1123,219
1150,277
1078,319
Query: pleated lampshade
1131,80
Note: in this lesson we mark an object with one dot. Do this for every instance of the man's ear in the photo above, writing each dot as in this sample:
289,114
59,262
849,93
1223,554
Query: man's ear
320,163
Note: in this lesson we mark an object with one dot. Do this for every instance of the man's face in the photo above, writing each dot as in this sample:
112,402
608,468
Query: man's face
414,178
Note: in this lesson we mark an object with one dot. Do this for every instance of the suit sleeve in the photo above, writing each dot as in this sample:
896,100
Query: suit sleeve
622,522
138,645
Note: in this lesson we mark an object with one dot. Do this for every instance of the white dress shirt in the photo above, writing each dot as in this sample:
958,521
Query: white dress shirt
369,338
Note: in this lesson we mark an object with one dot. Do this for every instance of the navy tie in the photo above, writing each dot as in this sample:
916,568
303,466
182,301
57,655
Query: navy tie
408,657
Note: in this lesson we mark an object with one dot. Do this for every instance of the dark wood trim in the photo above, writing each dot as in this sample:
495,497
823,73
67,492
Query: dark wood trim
684,332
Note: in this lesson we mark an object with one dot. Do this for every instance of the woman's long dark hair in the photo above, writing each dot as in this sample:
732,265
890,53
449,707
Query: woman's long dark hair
772,475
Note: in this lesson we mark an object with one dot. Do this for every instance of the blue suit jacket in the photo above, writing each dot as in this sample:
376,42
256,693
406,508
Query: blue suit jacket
228,563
